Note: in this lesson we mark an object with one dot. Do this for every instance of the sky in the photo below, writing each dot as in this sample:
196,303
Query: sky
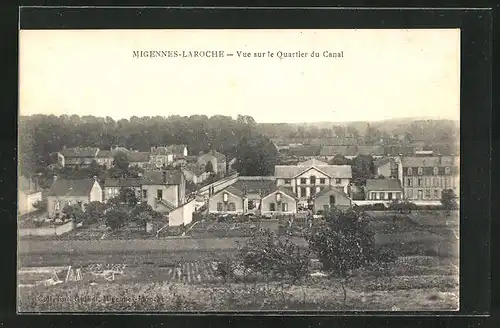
383,74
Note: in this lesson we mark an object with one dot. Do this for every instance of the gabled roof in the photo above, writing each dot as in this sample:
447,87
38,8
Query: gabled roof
282,190
370,150
312,162
334,171
138,156
124,182
219,156
382,161
172,177
104,153
71,188
234,191
431,161
193,168
382,184
327,190
262,187
161,151
80,152
303,151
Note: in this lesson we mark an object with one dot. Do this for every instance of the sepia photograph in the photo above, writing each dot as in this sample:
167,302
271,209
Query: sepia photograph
238,170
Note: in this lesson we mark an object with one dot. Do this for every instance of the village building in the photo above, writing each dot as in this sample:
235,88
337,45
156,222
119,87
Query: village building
329,152
424,178
218,161
112,187
164,190
331,197
105,158
178,151
387,167
28,194
161,156
194,174
139,159
310,177
383,189
70,192
77,156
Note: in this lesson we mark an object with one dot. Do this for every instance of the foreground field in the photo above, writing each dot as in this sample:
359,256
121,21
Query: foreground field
409,284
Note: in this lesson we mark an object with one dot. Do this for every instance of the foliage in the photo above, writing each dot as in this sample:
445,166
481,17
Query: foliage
448,200
116,217
94,211
344,244
340,160
40,206
126,196
255,156
209,168
74,212
362,169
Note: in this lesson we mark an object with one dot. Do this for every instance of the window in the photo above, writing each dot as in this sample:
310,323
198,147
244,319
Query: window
447,182
110,191
382,195
219,207
420,194
302,181
302,192
420,171
57,205
427,182
409,182
313,180
409,171
447,170
332,199
251,205
419,182
389,195
68,203
436,171
284,207
80,204
435,182
427,193
322,180
144,193
398,195
272,207
313,191
288,181
410,193
436,193
338,181
159,194
232,207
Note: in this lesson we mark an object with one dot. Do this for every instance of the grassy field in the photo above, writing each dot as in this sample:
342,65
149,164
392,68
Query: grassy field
409,284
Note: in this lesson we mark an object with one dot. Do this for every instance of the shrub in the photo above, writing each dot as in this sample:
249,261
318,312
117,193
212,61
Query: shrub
344,244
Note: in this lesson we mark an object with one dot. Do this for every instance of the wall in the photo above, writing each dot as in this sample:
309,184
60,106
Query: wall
203,160
266,201
170,194
212,203
385,170
433,184
51,200
26,201
47,231
219,184
182,215
96,193
396,194
340,201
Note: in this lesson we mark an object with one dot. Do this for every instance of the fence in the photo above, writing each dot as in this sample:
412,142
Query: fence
386,202
48,231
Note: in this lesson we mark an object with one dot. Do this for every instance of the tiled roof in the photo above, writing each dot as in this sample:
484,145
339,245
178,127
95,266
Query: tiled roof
382,161
382,184
263,187
80,152
338,150
282,190
71,188
125,182
397,150
336,190
219,156
172,177
234,191
138,156
177,149
104,153
303,151
334,171
370,150
431,161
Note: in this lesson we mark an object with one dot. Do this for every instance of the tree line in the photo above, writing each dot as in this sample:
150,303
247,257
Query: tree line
43,135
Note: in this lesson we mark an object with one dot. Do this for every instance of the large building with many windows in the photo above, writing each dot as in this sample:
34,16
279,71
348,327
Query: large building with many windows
308,178
424,178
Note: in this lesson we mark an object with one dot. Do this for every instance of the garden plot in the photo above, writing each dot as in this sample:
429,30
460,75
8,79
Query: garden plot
46,276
